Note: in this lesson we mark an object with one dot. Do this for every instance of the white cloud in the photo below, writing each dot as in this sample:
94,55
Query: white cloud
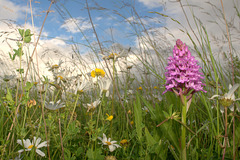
151,3
98,18
72,24
206,11
11,11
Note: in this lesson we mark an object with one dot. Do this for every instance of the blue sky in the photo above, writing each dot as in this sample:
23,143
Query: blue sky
106,20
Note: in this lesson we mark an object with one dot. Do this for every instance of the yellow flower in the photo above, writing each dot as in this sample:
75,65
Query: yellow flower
55,66
129,111
139,88
109,117
123,142
97,72
60,77
155,87
132,122
93,74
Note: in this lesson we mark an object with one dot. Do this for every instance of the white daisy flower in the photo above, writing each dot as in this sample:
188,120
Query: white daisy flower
228,98
28,145
93,105
7,78
104,85
83,86
107,141
54,105
145,109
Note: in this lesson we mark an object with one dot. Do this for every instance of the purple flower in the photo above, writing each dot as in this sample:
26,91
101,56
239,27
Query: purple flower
182,75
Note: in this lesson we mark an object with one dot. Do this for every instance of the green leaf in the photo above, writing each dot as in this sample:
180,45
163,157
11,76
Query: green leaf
27,39
166,115
138,116
28,86
79,151
21,32
26,35
149,106
150,140
18,52
95,155
9,97
11,57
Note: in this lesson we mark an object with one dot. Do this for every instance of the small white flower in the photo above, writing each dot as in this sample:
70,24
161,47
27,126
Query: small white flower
228,98
107,141
84,86
54,106
145,109
54,67
28,145
7,78
93,105
104,85
129,92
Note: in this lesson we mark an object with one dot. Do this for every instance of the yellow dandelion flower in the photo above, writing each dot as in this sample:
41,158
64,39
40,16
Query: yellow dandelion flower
109,118
124,142
97,72
93,74
139,88
132,122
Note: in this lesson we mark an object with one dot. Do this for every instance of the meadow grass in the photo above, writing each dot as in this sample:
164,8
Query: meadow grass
114,107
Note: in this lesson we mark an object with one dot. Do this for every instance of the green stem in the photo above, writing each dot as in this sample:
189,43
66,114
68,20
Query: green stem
183,136
225,136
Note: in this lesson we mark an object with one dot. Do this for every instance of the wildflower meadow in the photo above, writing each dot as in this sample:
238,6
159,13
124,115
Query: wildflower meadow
171,96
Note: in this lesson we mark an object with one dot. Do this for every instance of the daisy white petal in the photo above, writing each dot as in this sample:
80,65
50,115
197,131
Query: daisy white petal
43,144
40,152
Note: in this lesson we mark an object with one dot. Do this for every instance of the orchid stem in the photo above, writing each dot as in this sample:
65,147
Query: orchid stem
184,122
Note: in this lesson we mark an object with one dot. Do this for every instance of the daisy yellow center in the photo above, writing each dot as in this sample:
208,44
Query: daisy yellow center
30,147
108,143
112,55
60,77
226,102
54,66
